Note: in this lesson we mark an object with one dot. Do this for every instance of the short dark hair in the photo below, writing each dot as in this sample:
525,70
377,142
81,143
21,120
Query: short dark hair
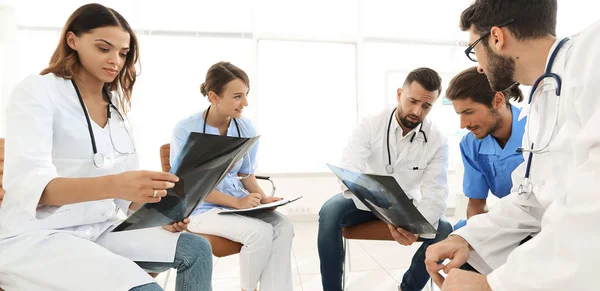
427,78
470,84
532,18
219,75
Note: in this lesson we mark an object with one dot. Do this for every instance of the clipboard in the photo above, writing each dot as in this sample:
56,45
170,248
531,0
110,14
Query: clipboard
267,206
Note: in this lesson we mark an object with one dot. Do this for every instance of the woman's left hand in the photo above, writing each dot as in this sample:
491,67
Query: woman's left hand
269,199
178,226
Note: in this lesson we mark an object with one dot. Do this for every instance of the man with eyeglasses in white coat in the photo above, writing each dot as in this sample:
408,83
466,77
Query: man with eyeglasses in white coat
556,198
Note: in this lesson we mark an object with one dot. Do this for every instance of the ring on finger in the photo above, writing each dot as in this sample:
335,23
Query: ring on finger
154,194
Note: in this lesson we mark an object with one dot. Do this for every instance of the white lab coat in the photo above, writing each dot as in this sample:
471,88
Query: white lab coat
366,152
562,213
47,137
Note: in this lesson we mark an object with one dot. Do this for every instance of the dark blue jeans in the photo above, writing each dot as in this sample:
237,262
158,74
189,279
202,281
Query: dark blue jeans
193,261
339,212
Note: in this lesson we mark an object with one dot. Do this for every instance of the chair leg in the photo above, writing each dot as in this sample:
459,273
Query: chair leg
344,267
347,260
166,281
349,257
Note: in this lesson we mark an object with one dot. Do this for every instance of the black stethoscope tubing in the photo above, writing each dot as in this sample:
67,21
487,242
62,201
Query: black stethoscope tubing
389,167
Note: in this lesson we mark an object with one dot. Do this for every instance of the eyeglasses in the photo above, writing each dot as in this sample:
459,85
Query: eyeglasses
471,53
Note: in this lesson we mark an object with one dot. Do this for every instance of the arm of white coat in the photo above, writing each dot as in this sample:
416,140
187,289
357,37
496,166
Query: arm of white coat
30,176
494,235
124,205
563,256
358,149
434,187
355,156
133,164
28,166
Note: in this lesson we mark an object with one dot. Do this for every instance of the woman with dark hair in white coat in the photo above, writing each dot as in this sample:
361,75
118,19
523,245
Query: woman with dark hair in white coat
71,164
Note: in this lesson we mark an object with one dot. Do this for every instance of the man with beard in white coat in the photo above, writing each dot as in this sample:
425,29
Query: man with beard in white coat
403,143
556,200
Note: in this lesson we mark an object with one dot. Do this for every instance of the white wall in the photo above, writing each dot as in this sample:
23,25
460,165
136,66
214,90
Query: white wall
379,49
8,61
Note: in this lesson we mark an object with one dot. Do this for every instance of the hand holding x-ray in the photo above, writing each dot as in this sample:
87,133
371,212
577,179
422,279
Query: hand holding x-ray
203,162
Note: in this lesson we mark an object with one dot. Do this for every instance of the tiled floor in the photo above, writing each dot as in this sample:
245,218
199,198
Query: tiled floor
376,265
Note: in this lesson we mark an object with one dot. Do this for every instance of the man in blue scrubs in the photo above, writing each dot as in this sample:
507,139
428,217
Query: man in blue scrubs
496,131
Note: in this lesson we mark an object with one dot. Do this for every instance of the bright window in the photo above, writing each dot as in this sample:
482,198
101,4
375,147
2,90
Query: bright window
315,67
331,19
306,104
168,88
435,20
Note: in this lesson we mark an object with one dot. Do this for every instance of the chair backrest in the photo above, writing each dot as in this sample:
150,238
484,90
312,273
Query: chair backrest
165,156
1,169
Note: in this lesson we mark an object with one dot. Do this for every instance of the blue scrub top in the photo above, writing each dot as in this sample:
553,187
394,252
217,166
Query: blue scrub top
230,185
487,165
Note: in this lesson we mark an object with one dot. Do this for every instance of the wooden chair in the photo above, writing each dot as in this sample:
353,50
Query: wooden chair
372,230
221,247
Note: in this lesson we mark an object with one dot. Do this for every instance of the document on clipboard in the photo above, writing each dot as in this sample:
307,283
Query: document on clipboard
386,199
204,161
278,203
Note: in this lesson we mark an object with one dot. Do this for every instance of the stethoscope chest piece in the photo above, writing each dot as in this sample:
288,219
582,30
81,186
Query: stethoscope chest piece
389,169
98,160
525,189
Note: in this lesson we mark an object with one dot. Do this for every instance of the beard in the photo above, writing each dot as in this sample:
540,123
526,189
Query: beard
501,70
495,124
407,123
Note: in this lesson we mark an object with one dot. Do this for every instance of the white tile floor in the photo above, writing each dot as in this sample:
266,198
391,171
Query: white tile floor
376,265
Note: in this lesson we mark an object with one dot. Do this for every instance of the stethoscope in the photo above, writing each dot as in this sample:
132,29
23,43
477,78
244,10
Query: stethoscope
526,188
237,126
390,168
98,158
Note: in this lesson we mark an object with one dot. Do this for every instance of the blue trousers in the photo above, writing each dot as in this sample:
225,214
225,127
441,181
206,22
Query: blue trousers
339,212
193,261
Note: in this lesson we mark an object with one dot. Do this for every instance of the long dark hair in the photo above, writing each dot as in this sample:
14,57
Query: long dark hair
65,61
